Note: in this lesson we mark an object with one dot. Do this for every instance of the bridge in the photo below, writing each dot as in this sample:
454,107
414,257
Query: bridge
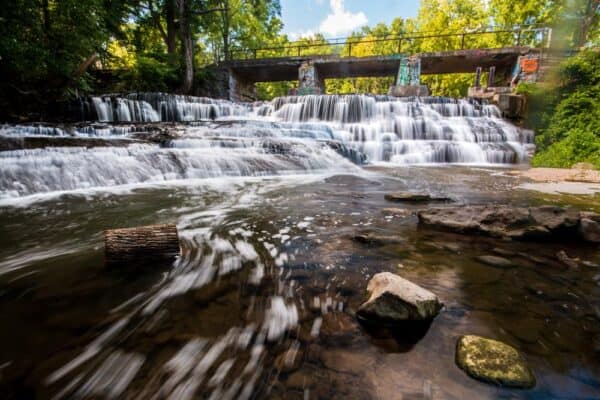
301,61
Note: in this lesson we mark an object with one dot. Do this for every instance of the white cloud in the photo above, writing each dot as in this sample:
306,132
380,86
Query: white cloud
341,21
301,34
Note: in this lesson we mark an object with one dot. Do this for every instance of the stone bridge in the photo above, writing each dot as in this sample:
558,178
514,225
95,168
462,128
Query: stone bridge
311,71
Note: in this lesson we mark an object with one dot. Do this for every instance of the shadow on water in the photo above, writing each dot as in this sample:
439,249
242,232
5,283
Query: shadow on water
398,337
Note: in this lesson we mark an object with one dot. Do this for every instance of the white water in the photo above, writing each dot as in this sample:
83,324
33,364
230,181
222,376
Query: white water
286,135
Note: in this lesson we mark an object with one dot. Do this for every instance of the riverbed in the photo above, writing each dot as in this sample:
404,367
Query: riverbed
262,301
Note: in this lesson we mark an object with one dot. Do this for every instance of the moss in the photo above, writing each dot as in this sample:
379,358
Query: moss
493,361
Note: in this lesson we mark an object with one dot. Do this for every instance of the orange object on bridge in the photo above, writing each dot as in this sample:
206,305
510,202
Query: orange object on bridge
529,65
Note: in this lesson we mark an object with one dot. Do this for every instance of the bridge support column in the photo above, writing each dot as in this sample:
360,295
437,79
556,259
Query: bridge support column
309,81
408,80
240,89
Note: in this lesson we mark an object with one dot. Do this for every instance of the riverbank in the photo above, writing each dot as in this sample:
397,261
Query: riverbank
579,173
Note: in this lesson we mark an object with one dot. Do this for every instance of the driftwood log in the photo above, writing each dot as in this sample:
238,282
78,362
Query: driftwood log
131,245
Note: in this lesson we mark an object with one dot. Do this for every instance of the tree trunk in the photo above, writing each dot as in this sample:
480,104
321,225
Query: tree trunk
187,44
171,37
143,243
588,21
225,31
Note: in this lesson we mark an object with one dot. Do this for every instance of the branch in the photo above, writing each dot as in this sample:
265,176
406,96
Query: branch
156,19
202,12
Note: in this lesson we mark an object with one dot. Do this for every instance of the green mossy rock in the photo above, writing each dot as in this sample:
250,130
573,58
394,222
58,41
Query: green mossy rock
493,361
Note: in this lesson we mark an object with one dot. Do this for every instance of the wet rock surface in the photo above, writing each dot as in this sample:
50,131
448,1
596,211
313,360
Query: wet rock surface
493,362
395,299
519,223
410,197
589,226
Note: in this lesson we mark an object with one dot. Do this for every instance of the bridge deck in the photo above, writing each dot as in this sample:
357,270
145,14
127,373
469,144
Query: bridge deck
332,66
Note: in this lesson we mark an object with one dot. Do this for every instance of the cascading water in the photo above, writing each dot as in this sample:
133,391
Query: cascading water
287,135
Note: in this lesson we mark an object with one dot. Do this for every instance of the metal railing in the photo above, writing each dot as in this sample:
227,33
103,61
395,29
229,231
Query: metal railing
532,36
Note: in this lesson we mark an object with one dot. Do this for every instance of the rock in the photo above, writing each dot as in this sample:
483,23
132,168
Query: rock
493,361
503,252
519,223
590,264
395,299
584,166
555,218
410,197
289,360
496,261
397,212
374,239
453,247
590,230
568,261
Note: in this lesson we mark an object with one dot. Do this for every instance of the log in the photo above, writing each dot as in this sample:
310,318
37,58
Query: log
143,243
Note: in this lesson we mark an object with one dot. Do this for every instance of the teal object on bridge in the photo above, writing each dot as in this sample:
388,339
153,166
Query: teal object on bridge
409,73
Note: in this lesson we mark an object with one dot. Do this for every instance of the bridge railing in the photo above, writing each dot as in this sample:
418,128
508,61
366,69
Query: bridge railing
357,46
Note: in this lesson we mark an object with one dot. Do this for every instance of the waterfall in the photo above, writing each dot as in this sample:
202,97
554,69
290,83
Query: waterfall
219,138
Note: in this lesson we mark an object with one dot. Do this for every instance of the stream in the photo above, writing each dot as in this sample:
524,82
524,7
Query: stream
261,302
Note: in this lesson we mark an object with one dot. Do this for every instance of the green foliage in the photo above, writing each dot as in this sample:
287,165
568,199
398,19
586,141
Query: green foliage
567,117
270,90
579,145
150,74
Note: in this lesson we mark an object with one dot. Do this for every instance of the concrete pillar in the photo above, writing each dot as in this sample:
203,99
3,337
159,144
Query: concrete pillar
492,77
309,81
477,77
240,89
408,80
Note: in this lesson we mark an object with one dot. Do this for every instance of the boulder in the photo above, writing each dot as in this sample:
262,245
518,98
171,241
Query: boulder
519,223
409,197
493,362
589,226
496,261
395,299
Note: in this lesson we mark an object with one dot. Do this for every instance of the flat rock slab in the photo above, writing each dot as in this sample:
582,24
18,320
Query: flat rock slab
395,299
409,197
493,362
519,223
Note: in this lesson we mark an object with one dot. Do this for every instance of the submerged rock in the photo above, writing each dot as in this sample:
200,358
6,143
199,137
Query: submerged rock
374,239
395,299
493,361
496,261
519,223
566,260
410,197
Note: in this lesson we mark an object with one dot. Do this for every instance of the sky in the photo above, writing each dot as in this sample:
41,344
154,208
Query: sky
337,18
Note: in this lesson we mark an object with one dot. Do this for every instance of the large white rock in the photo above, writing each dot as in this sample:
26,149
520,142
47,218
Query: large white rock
395,299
